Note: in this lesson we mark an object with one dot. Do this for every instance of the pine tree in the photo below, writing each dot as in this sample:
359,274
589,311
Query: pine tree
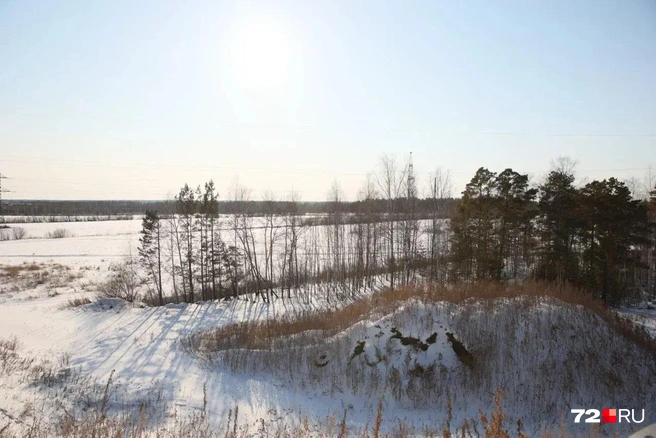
150,250
612,225
213,236
230,258
473,245
558,227
186,208
515,207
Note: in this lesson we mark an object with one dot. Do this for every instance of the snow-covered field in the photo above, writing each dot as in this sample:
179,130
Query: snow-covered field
89,242
144,350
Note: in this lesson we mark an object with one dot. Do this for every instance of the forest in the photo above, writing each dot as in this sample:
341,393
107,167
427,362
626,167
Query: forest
504,227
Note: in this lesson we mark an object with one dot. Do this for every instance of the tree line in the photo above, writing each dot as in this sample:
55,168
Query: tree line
595,236
504,227
60,211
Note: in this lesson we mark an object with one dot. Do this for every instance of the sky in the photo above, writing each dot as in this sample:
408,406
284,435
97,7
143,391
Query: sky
133,99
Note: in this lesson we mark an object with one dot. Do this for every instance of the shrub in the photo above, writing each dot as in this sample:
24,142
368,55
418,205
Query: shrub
19,233
58,233
123,282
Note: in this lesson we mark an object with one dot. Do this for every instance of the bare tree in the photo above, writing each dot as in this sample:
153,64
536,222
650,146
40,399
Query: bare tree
240,195
564,164
173,248
244,230
334,233
641,188
410,225
270,238
439,189
366,232
390,179
293,228
124,280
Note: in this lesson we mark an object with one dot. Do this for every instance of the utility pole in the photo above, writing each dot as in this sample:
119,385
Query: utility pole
3,222
412,189
411,224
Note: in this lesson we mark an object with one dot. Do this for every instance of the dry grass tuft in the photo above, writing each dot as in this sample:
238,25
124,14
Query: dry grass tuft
494,426
263,334
77,302
100,424
13,271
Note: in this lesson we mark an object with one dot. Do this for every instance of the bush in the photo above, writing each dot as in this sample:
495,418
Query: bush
19,233
58,233
123,282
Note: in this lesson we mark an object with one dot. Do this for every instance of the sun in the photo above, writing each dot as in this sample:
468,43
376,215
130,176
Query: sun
260,54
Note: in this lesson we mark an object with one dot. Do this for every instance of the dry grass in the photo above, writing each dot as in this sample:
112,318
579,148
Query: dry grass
13,271
494,427
8,353
28,276
263,334
97,423
77,302
553,355
138,422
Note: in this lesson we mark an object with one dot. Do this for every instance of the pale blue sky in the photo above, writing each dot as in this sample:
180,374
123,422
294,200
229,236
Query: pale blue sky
131,99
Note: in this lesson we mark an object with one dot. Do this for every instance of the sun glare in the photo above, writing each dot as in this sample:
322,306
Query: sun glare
260,54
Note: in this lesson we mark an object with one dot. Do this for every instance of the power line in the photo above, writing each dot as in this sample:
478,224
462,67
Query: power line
3,222
332,128
159,188
157,166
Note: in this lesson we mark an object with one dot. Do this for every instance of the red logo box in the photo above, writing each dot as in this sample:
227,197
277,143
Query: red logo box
609,415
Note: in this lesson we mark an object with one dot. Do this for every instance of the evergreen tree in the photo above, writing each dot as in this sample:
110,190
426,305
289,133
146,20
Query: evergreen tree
558,227
612,225
474,249
186,209
213,236
651,251
491,221
150,250
516,211
230,258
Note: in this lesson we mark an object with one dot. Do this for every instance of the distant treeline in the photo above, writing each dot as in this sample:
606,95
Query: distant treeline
424,207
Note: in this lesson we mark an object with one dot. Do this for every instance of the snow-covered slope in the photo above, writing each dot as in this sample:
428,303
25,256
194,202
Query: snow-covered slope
548,356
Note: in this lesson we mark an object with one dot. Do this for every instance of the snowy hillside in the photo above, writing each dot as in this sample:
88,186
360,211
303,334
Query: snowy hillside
315,361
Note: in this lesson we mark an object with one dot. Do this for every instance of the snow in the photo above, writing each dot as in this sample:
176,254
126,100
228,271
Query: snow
644,316
140,347
143,348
